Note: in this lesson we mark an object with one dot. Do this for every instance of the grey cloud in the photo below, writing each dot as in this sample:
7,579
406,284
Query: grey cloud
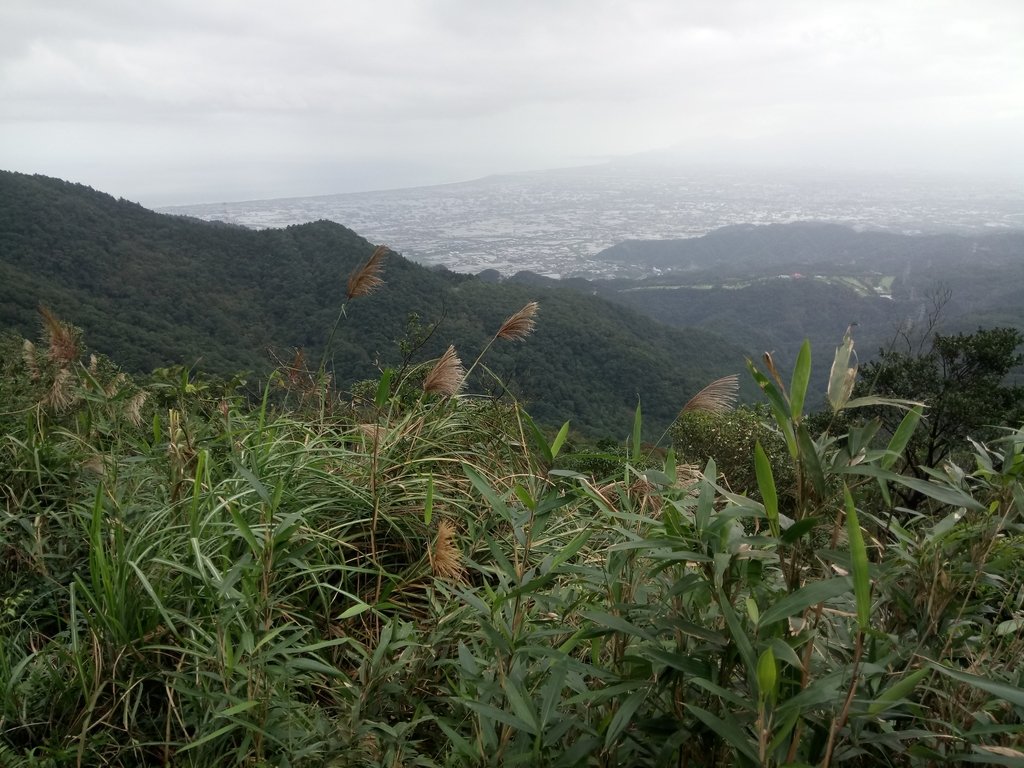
460,84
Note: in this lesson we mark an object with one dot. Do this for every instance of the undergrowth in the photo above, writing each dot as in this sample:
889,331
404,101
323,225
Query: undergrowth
423,577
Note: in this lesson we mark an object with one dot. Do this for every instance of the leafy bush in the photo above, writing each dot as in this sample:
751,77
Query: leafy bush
209,582
729,438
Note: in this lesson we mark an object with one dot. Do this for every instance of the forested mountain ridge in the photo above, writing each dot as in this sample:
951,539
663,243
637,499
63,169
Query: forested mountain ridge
770,287
153,290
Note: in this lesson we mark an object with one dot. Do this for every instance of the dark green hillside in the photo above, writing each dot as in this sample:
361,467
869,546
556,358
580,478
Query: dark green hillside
770,287
152,290
743,248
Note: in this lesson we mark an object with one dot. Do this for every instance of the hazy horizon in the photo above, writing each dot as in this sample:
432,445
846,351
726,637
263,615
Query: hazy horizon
189,102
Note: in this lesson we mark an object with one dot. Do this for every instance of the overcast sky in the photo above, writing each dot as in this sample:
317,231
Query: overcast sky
178,101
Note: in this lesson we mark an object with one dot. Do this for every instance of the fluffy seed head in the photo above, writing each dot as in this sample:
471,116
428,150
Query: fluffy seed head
61,338
133,411
520,325
445,556
717,397
61,395
28,355
367,279
447,375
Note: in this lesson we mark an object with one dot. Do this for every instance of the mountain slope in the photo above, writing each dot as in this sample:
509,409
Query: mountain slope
151,290
770,287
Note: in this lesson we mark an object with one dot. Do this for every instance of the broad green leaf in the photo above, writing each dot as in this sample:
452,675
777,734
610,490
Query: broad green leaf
428,502
798,529
766,485
551,694
691,665
739,635
767,674
954,497
706,500
559,440
810,461
616,623
383,393
517,698
1010,627
670,465
1010,693
784,652
498,715
539,440
808,595
897,691
623,716
780,409
485,490
895,402
801,378
728,730
859,563
901,437
570,549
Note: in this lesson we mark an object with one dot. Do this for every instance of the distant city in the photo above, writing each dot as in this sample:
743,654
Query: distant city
556,222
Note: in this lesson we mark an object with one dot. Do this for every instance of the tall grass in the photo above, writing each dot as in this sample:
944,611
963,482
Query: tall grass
191,580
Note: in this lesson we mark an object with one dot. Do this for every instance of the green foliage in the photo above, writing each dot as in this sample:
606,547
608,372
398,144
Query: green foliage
153,291
962,379
192,579
730,439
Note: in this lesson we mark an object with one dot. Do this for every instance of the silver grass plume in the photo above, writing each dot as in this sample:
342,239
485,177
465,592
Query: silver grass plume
718,397
520,325
447,375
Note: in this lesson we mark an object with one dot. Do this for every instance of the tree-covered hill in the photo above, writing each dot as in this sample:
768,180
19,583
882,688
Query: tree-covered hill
770,287
152,290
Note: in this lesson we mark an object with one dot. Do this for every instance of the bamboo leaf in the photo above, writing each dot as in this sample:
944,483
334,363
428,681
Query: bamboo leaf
801,378
901,437
954,497
895,402
499,715
559,440
766,485
1010,693
780,409
859,562
739,635
728,730
897,691
767,673
623,716
811,462
803,598
428,502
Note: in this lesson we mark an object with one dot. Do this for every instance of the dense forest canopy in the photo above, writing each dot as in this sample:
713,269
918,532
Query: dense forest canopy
153,290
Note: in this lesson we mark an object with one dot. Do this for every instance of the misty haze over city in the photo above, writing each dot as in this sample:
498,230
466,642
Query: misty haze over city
186,102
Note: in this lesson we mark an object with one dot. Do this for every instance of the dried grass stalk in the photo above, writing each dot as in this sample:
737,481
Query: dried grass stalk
718,397
60,337
373,432
447,375
445,555
133,411
367,279
520,325
61,395
28,355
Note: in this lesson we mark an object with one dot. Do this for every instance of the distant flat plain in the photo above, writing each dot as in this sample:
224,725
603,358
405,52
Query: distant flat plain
555,222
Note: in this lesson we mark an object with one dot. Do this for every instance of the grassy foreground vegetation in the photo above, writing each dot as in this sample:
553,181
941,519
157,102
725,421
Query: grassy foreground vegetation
415,577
